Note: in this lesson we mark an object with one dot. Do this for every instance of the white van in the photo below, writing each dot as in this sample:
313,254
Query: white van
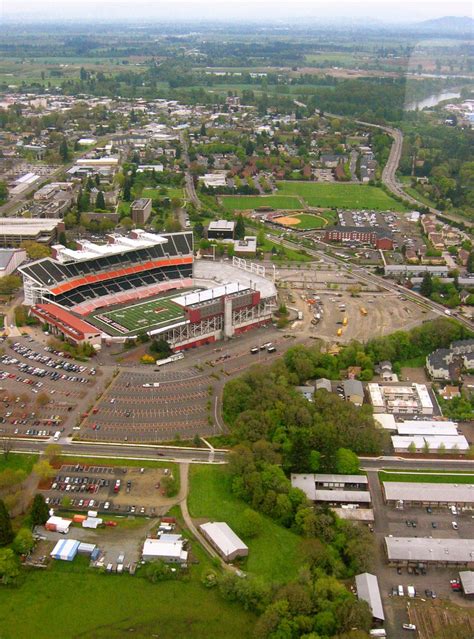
57,435
401,592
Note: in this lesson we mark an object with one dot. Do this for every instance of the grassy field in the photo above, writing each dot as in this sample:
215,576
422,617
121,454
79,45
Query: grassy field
244,202
152,313
290,255
351,196
170,192
274,554
70,600
17,461
442,478
414,362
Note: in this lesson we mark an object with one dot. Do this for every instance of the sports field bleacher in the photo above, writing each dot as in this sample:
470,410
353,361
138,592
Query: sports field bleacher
138,317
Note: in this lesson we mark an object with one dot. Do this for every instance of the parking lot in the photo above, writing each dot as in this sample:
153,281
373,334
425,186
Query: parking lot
431,582
110,490
39,388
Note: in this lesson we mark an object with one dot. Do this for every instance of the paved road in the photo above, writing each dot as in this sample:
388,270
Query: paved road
190,190
390,169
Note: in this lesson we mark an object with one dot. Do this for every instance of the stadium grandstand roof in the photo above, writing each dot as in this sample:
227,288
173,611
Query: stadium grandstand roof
209,294
116,244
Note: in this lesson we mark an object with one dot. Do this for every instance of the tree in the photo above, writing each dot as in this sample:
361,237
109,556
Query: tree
43,469
470,262
412,447
240,228
39,512
127,190
100,201
35,250
53,452
250,524
42,399
426,287
82,201
156,571
9,567
9,284
64,150
6,532
23,542
160,348
3,192
203,131
347,462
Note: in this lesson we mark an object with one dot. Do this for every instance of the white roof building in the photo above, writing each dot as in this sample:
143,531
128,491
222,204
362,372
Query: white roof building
414,492
385,420
426,550
367,586
430,443
412,427
168,551
224,540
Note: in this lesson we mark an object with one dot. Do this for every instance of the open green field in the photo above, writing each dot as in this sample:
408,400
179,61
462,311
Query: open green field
139,316
441,478
289,255
274,554
340,195
69,601
17,461
244,202
170,192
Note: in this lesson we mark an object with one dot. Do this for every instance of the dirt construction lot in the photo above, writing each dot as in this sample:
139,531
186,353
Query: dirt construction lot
441,620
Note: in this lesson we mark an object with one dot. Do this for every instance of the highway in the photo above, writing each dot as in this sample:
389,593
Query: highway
124,451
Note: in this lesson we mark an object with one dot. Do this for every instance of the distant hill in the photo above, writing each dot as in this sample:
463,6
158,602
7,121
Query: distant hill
448,24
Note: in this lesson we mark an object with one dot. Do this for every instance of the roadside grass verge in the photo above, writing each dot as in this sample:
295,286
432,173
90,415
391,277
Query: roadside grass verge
447,477
273,554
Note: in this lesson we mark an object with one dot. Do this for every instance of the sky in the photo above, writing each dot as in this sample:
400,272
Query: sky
242,10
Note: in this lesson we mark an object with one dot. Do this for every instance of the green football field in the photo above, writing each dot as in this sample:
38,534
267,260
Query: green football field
137,317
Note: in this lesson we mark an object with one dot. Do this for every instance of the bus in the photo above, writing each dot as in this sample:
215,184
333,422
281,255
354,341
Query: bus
172,358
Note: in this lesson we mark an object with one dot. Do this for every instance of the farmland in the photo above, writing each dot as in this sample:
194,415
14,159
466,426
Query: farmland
211,498
351,196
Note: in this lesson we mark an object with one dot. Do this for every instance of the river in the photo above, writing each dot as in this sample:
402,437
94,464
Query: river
432,100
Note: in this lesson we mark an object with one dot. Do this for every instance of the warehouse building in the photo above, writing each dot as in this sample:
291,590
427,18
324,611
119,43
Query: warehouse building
334,489
171,552
368,590
430,443
466,577
401,493
412,551
224,540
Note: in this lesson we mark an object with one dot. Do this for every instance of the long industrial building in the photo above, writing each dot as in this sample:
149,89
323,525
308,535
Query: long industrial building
400,493
334,489
406,551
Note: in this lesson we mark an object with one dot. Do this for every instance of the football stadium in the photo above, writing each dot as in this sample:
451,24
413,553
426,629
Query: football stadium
145,283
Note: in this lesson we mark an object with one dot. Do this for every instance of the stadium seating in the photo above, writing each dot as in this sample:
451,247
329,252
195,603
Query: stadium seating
48,272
